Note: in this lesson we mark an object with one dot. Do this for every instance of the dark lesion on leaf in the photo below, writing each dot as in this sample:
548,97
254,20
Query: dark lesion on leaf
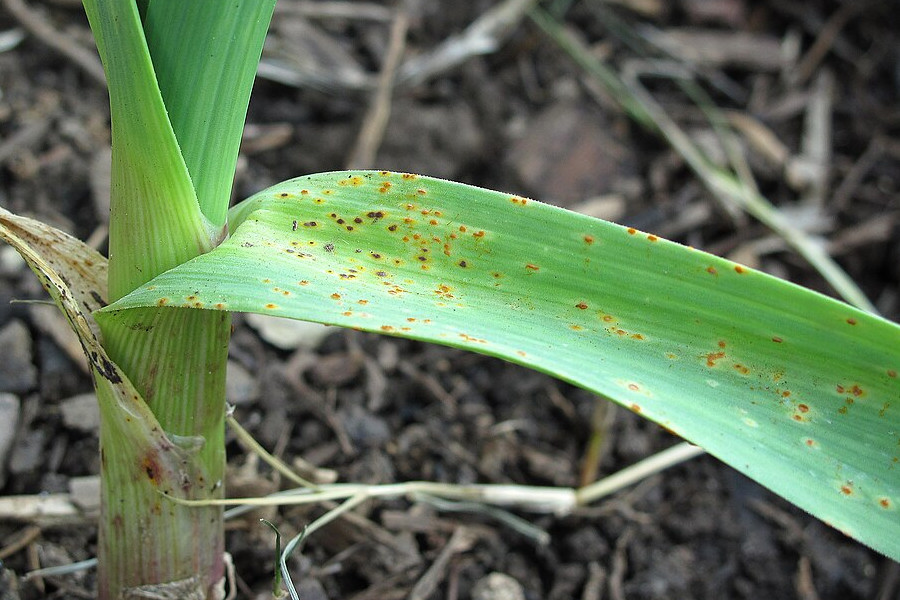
98,298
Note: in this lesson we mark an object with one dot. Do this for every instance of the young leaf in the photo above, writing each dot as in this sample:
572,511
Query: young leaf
155,220
796,390
205,82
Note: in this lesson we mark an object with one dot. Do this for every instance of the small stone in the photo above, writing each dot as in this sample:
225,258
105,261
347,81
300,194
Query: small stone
17,373
498,586
85,493
81,412
335,369
9,419
11,263
240,386
28,452
288,334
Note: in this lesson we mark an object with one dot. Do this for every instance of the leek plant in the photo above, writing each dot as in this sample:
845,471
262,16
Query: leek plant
798,391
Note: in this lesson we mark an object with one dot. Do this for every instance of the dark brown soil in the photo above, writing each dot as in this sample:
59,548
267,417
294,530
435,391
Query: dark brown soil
523,118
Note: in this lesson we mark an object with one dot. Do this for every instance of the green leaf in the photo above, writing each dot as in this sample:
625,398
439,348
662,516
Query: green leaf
796,390
205,58
155,220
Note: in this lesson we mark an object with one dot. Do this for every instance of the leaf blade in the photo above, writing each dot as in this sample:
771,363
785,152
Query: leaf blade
797,391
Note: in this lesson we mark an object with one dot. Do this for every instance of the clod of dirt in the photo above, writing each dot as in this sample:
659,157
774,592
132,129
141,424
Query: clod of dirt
17,373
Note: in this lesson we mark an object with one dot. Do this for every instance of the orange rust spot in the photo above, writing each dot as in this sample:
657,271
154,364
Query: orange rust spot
411,319
839,388
847,489
892,373
797,417
462,228
478,234
634,387
576,327
433,222
722,344
303,282
220,306
335,296
739,269
532,267
652,238
304,192
347,313
637,336
271,306
803,408
777,339
884,503
162,301
588,239
851,321
632,231
712,357
385,187
712,271
581,305
518,200
409,176
743,370
636,408
521,353
387,328
408,221
857,391
785,394
810,442
621,332
608,318
470,338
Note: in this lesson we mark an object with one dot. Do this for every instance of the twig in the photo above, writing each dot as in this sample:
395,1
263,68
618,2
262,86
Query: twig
28,535
376,119
482,36
460,541
59,41
827,36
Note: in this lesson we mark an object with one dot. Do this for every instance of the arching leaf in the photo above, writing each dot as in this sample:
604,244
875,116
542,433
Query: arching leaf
798,391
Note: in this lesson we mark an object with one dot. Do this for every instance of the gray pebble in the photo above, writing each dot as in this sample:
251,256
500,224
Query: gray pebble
9,419
498,586
81,412
17,373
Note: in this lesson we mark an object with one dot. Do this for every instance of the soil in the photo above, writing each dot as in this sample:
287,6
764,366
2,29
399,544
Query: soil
524,118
